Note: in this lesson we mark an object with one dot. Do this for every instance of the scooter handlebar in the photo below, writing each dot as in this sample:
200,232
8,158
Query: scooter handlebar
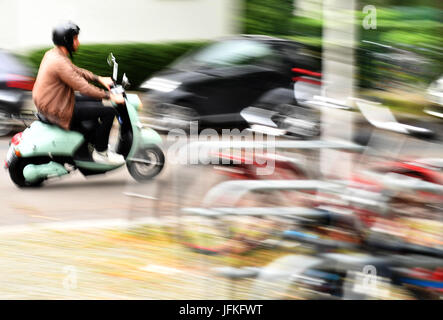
117,89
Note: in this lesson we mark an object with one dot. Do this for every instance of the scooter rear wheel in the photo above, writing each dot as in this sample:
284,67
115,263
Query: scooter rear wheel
16,168
148,162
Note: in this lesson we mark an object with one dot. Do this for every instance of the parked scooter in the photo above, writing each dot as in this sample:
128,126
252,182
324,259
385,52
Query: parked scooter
44,150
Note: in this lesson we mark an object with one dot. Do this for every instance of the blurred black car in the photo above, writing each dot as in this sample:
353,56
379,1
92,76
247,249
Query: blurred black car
213,84
16,83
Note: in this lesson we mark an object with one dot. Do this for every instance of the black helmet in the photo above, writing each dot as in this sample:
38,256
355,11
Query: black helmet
63,35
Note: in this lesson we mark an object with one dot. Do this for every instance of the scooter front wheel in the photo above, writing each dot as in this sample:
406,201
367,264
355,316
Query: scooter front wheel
146,164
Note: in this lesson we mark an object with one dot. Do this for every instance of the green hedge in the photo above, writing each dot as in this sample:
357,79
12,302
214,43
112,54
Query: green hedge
267,17
137,60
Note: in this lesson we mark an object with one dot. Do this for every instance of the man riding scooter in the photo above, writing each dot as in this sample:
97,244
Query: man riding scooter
53,94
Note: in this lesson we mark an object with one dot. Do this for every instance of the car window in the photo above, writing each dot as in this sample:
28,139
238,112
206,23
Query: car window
230,53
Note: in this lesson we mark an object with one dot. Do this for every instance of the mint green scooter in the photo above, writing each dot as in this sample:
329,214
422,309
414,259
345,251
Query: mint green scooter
44,150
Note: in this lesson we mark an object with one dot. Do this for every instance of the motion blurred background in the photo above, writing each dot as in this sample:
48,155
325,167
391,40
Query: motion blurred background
400,50
367,73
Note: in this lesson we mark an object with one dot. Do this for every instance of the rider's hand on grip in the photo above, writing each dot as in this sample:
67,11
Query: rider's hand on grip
117,98
107,82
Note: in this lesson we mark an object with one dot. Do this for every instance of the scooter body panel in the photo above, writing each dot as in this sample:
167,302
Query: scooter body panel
41,139
34,172
133,100
95,166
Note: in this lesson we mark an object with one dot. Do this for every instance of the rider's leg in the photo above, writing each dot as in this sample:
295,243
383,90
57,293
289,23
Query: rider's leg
93,110
87,108
82,98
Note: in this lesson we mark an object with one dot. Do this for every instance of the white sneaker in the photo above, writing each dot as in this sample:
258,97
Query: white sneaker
108,157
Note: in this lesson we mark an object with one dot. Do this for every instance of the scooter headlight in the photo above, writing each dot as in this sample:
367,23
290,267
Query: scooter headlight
160,84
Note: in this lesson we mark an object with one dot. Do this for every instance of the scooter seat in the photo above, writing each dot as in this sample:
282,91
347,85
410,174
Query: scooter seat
85,126
43,119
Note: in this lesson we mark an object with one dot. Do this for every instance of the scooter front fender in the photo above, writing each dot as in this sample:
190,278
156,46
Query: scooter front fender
142,136
149,136
145,137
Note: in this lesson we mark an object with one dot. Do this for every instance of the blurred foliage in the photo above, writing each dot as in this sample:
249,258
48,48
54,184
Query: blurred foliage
407,49
314,42
137,60
267,17
307,27
412,28
403,53
399,103
422,25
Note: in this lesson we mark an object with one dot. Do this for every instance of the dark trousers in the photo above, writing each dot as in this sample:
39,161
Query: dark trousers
87,108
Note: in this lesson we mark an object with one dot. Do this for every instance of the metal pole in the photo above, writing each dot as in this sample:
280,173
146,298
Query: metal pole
338,82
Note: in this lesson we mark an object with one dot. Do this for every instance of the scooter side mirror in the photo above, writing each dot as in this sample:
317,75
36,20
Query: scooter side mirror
111,59
114,64
125,81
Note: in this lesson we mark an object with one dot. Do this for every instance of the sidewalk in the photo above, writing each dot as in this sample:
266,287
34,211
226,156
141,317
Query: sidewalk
110,263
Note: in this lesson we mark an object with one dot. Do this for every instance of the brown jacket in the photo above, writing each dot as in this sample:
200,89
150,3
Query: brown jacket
57,79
